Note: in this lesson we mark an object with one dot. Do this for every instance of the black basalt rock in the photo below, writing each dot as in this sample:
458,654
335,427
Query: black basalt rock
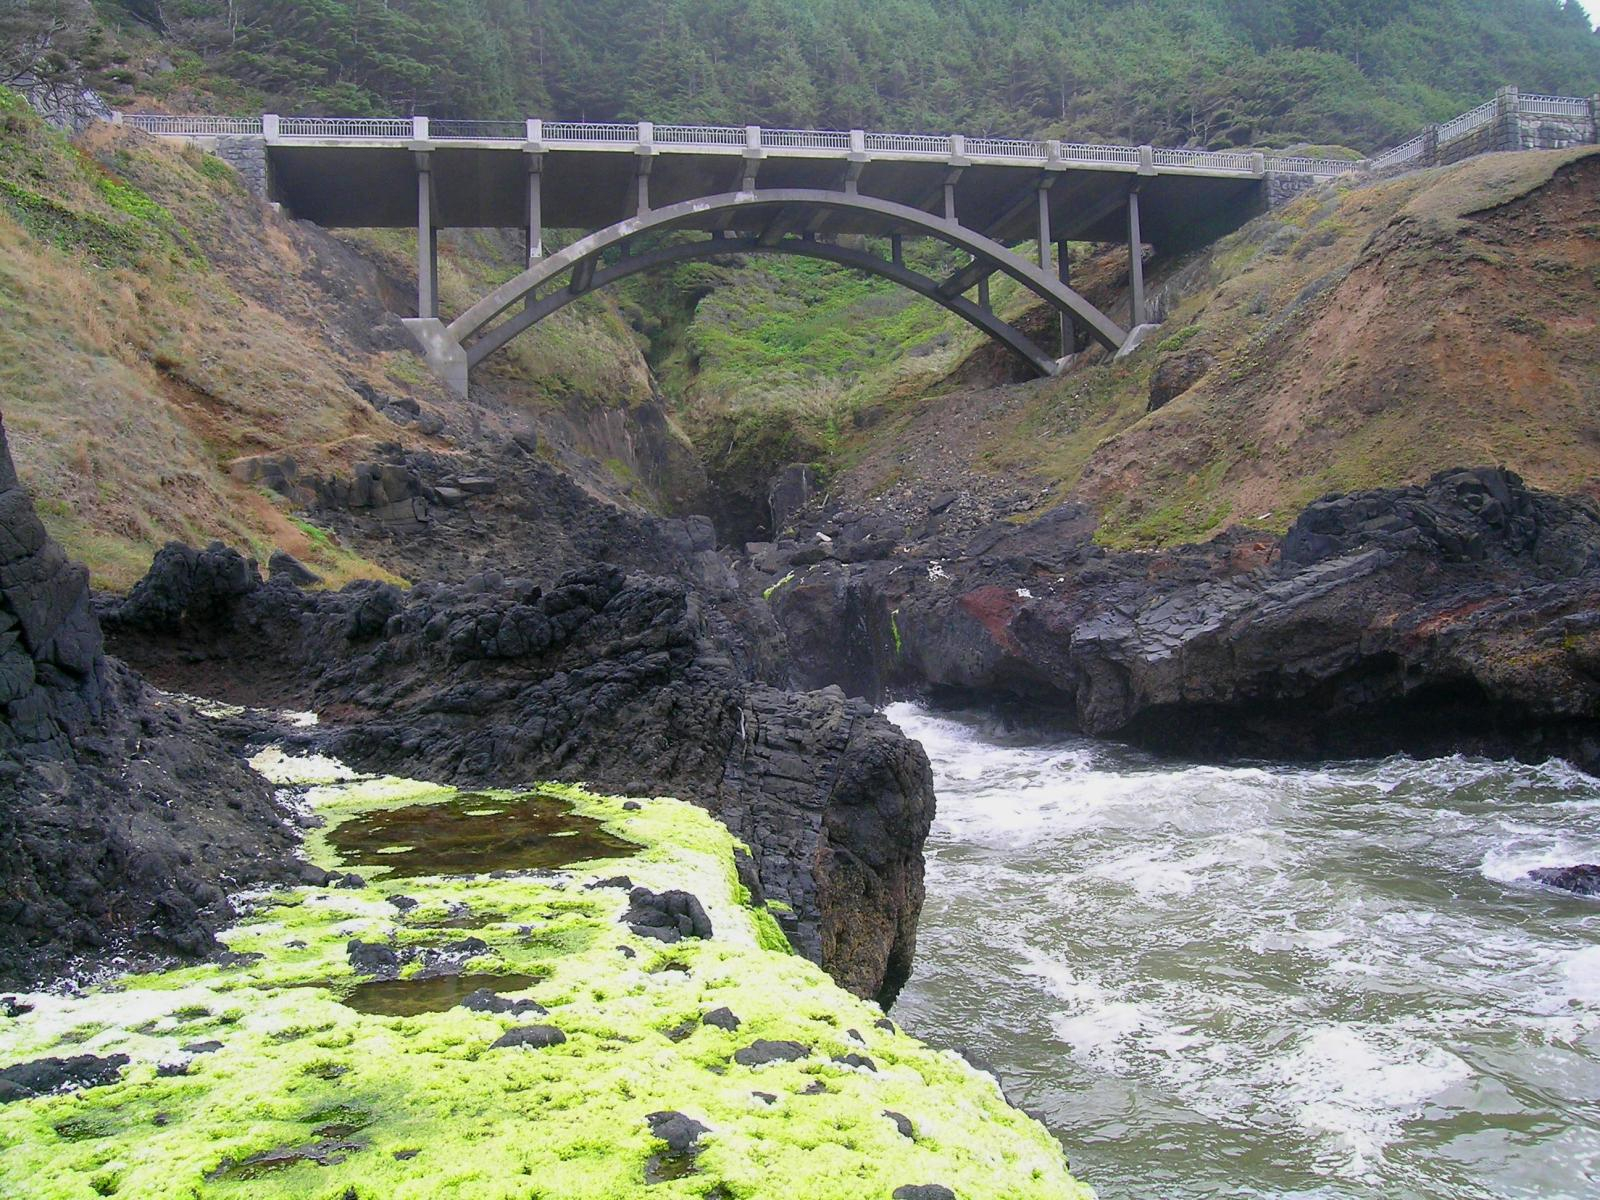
43,1076
764,1050
678,1131
667,916
125,819
535,1037
1580,880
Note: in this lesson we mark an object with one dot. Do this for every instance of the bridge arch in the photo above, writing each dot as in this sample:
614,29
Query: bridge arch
769,218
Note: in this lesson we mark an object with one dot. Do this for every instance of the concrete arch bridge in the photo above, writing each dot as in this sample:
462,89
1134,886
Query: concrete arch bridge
748,190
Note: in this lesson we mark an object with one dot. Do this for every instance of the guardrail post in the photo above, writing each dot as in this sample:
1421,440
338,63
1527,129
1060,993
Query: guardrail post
1594,117
858,141
958,146
116,116
752,137
269,126
1147,160
1430,146
1508,116
419,129
535,131
1258,164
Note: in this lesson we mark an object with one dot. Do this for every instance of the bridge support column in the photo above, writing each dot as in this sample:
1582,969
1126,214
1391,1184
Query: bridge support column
1044,226
983,295
897,249
535,210
1135,263
427,242
646,152
1069,324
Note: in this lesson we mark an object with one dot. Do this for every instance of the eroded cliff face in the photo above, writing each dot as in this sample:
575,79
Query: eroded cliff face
124,819
625,682
1457,615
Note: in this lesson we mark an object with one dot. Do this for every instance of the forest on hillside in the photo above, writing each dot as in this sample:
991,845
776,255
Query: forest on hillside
1210,73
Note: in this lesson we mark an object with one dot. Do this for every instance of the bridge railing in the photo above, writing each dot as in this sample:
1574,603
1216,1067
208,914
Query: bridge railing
589,131
909,143
805,139
699,135
1322,168
350,127
1553,106
1476,118
1403,153
1086,152
992,147
164,126
478,131
580,133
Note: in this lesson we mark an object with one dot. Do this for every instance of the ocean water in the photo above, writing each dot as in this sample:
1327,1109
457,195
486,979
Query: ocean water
1268,980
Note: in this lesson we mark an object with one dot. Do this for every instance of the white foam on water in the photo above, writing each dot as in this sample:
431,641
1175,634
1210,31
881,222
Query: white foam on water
1357,1087
1323,965
1527,847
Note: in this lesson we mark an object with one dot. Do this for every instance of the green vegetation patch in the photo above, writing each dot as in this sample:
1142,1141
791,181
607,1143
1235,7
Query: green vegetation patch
405,1096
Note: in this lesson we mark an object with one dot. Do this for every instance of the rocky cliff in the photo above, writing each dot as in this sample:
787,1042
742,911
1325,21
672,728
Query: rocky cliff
1457,615
124,819
625,682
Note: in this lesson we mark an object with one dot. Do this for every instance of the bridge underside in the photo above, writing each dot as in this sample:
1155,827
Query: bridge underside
779,221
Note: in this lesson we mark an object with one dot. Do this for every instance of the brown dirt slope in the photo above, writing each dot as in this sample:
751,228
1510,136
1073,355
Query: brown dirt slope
1364,336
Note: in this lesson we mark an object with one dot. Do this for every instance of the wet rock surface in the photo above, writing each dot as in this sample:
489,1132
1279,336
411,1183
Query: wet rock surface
667,916
1581,880
1457,615
631,683
46,1075
765,1050
124,818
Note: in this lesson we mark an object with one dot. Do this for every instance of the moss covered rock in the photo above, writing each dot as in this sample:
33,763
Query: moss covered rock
283,1072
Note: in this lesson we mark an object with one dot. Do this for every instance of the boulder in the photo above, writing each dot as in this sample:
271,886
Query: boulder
1175,374
1581,880
286,567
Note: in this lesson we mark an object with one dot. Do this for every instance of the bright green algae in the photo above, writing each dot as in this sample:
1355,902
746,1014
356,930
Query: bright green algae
309,1098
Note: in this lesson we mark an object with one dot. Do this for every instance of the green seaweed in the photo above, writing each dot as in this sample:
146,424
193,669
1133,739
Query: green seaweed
308,1096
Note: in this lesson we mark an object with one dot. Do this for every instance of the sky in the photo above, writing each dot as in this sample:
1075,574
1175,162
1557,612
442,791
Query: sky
1592,7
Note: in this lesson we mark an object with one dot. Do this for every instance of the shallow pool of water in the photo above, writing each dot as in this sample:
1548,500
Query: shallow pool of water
474,834
1274,981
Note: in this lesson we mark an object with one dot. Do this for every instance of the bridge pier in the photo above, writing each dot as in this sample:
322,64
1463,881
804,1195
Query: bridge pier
427,241
1069,323
1137,313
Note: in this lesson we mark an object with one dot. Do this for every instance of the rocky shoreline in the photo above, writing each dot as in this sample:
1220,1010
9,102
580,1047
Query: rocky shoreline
1462,615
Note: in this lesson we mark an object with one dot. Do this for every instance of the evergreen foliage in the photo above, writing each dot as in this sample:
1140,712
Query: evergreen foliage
1197,72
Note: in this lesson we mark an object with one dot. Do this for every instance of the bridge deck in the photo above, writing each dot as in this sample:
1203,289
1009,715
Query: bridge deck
482,184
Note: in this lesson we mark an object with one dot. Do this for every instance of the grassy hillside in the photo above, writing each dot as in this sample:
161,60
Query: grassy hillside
1364,336
160,323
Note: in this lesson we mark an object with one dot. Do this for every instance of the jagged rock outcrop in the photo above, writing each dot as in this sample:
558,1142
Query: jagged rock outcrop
624,683
124,819
1462,614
